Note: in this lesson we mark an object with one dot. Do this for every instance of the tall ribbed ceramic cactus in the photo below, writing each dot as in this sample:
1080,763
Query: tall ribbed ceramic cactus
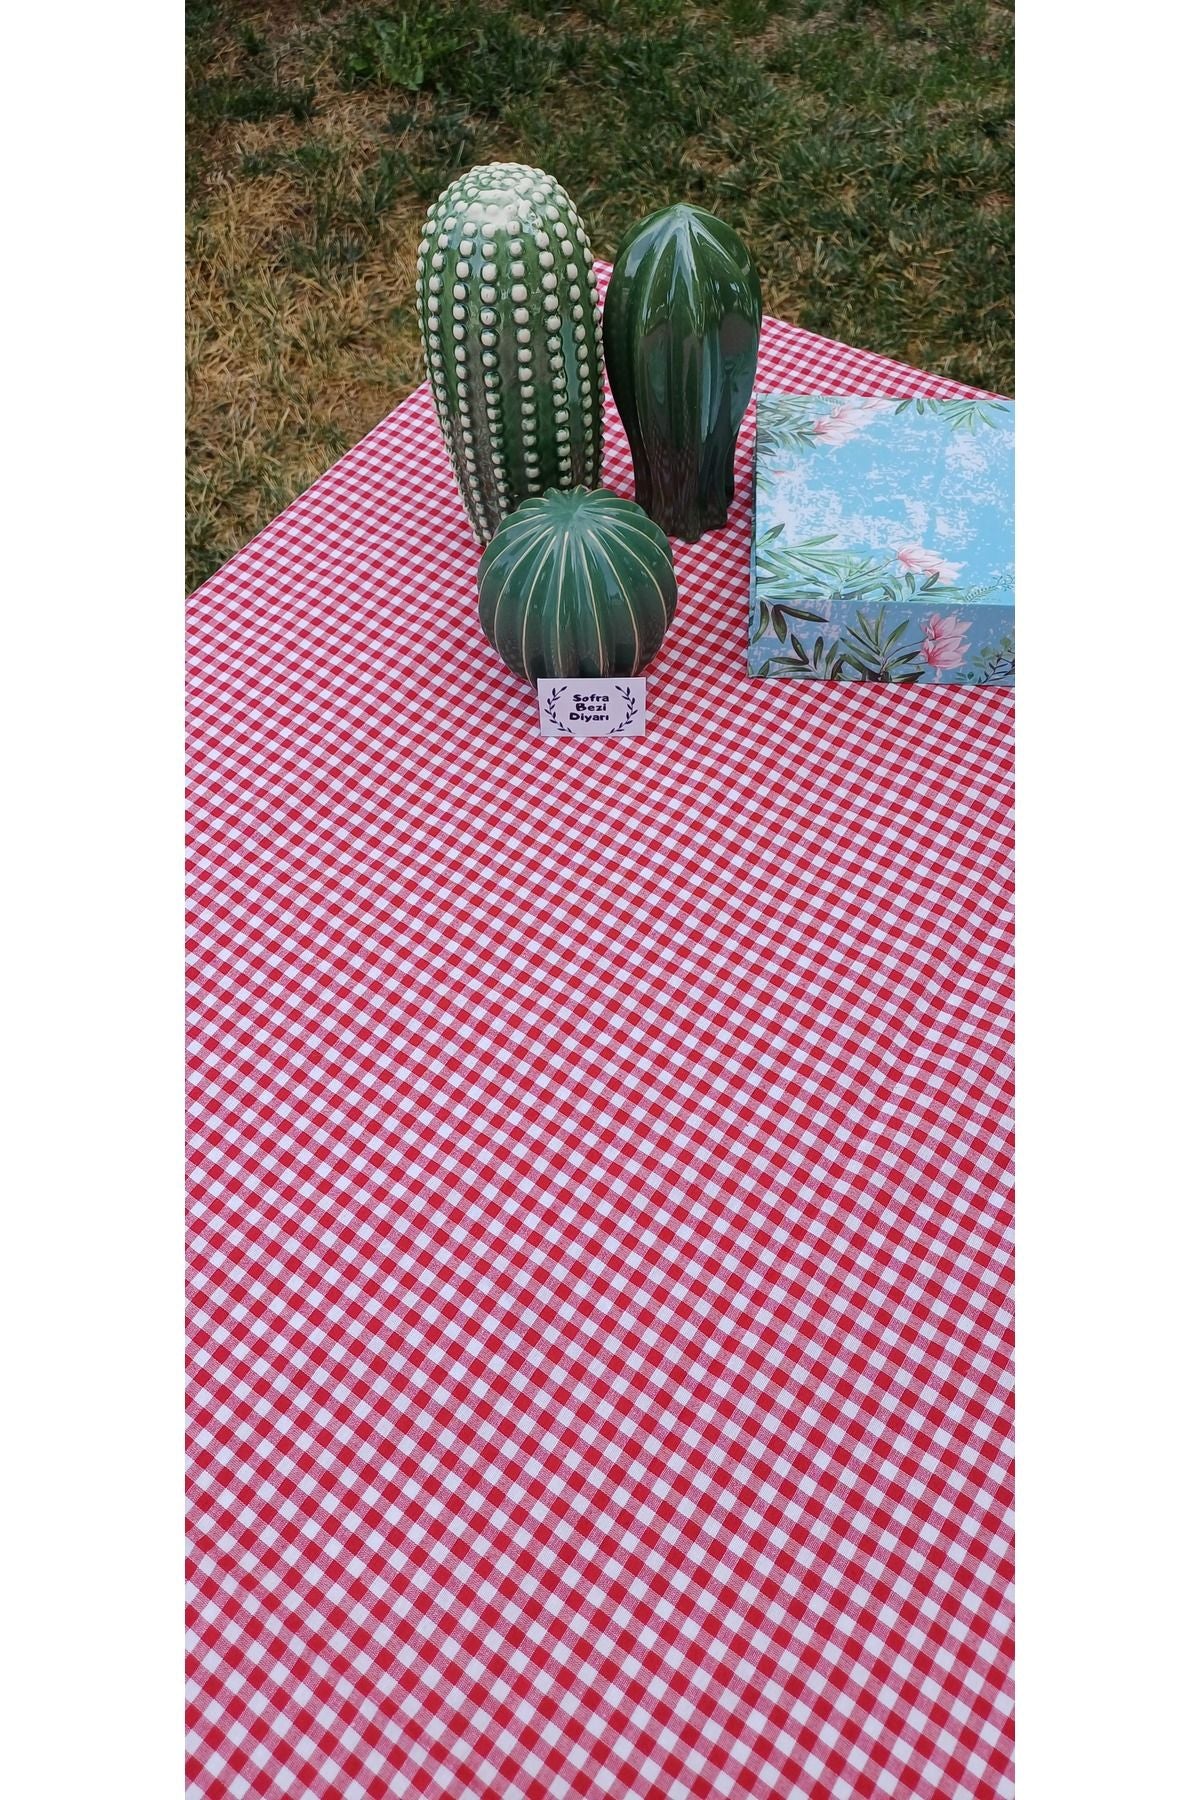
681,323
511,330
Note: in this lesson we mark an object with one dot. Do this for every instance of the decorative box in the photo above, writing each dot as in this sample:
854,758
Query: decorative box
882,545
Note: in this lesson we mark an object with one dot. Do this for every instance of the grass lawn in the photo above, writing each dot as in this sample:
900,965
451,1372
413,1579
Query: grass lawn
862,148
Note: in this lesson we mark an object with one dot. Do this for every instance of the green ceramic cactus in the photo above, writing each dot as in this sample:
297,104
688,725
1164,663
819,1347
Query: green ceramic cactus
577,584
681,323
510,326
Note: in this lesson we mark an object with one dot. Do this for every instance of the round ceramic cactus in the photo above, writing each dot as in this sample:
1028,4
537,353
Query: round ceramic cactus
681,323
510,325
577,584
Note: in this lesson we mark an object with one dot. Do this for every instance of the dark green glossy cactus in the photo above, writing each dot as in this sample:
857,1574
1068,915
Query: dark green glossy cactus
681,323
577,584
510,326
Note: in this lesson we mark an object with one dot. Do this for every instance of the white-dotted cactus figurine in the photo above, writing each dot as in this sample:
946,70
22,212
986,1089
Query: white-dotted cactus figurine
510,326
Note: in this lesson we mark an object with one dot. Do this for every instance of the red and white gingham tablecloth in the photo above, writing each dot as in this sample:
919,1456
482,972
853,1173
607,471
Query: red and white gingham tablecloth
600,1167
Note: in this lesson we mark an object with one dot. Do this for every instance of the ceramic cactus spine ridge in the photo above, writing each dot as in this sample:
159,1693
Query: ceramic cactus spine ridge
681,324
577,584
510,325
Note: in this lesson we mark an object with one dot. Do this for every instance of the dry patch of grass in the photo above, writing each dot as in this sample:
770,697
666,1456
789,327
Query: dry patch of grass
283,375
287,364
861,147
300,334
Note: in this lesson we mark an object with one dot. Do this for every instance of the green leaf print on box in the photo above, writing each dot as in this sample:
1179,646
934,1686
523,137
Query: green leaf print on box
882,545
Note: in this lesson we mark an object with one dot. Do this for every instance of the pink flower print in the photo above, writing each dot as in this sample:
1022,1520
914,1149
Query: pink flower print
927,562
944,645
847,421
838,426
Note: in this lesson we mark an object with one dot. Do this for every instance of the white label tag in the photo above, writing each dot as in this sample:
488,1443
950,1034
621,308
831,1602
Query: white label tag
593,706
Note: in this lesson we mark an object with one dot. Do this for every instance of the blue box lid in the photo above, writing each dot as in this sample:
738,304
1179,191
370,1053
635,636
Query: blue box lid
883,539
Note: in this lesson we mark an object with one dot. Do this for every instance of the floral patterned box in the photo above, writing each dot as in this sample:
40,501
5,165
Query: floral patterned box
883,540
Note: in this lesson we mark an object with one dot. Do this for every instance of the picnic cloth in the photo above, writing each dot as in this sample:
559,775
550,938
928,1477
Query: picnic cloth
599,1188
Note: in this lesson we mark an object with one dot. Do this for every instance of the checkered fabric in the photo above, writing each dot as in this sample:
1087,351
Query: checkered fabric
600,1169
